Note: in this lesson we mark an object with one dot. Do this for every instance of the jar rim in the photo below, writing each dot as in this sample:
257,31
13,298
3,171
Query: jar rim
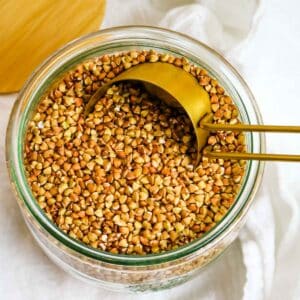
14,142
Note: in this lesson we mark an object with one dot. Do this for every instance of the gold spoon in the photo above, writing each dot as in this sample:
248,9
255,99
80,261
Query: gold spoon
181,90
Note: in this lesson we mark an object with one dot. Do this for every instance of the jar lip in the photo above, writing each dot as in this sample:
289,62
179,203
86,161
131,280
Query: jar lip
14,147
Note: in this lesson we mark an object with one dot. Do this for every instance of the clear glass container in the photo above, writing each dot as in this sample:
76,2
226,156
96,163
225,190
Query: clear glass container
129,272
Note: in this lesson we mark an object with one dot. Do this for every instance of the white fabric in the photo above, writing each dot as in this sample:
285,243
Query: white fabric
264,263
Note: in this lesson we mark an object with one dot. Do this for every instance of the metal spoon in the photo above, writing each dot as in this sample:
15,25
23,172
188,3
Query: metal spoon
180,89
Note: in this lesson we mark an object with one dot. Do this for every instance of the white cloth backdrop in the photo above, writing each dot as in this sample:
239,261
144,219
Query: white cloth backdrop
263,41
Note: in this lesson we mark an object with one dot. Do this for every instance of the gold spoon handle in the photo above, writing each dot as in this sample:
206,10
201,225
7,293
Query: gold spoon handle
251,156
246,127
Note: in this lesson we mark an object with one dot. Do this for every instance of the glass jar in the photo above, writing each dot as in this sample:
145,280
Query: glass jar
129,272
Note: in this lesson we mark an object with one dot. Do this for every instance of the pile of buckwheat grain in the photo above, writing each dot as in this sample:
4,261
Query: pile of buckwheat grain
122,179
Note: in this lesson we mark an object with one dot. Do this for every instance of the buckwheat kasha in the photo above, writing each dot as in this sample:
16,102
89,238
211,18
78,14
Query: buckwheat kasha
122,179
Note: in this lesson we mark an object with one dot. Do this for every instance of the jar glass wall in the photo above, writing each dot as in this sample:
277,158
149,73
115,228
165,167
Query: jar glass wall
115,271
